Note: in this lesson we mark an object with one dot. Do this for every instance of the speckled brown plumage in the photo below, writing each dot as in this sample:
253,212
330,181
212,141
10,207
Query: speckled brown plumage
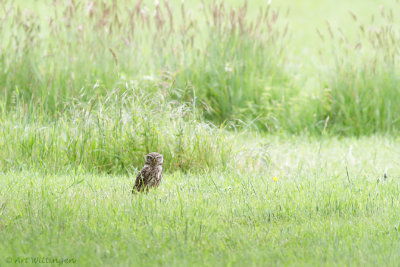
151,174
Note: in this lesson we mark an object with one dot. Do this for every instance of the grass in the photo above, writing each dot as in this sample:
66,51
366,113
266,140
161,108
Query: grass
240,62
112,134
314,214
277,129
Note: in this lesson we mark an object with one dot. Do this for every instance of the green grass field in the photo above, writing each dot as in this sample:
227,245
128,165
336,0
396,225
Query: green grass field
313,213
279,126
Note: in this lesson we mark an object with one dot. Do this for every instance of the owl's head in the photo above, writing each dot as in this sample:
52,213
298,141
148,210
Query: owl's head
154,159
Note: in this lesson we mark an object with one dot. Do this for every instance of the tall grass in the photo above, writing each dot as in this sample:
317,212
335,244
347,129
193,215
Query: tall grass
236,66
241,75
112,134
233,63
364,84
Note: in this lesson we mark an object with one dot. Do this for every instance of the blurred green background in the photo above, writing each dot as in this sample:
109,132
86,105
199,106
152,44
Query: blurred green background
139,73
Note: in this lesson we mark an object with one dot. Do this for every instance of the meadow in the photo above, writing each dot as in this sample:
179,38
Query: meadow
278,123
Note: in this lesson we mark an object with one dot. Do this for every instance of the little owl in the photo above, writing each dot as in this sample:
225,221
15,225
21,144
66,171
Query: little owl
151,173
